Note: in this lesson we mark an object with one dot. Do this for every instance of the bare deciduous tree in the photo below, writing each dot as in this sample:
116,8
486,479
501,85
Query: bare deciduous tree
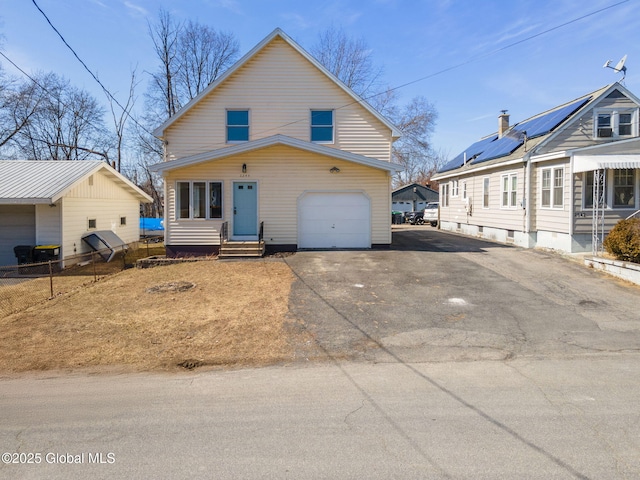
348,59
203,55
351,61
191,56
66,125
120,117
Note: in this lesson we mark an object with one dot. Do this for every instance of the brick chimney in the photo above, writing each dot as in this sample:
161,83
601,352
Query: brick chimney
503,123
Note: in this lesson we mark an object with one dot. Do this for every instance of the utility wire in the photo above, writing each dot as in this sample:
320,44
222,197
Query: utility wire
361,99
106,91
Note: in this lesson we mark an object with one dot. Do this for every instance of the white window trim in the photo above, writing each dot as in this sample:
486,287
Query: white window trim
552,174
226,124
207,183
486,191
333,126
615,122
444,201
464,190
454,188
511,201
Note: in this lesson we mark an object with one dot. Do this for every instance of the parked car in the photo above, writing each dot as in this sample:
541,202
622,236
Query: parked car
414,218
430,214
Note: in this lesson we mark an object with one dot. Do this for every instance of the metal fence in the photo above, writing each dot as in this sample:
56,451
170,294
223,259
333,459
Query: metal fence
25,285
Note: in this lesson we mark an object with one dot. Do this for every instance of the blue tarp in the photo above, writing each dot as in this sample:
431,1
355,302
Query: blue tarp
149,224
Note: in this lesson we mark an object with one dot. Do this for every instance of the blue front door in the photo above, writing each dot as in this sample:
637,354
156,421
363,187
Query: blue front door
245,208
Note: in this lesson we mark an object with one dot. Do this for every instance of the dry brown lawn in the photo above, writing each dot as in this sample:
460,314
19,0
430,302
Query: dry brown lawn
170,317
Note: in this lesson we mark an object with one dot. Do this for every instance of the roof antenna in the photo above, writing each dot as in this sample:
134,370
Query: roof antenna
618,68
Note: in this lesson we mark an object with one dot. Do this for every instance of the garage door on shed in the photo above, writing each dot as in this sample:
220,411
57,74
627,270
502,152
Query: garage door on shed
17,227
334,220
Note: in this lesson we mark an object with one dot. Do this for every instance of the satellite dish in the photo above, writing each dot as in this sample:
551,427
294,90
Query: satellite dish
619,66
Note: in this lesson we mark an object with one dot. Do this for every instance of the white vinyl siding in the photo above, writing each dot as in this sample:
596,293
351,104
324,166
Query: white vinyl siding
283,175
106,202
280,86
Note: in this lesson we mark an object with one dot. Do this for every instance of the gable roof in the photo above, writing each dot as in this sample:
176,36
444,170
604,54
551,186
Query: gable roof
272,141
277,33
44,182
406,193
527,135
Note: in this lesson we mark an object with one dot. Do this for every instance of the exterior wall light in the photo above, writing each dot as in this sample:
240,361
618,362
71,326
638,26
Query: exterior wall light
244,168
335,170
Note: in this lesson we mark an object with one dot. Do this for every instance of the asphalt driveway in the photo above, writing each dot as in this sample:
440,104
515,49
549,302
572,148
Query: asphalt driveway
436,296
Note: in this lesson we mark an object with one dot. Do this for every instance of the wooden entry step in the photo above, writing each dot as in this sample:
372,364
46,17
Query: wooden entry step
231,249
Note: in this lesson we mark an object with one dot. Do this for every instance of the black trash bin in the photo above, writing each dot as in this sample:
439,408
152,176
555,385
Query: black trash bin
24,253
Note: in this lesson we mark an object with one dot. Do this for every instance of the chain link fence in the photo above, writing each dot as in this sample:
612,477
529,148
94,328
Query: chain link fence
28,284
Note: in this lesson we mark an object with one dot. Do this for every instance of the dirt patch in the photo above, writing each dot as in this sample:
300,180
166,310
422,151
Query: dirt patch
171,287
181,316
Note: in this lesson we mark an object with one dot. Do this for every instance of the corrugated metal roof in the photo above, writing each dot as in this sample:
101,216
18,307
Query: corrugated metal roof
40,181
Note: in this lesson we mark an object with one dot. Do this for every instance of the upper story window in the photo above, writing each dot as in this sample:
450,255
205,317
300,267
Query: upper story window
237,125
322,126
610,123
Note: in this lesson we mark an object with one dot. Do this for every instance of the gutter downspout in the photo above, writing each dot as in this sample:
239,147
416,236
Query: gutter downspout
572,219
527,194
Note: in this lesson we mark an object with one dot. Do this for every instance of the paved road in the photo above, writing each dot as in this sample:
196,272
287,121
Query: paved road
449,358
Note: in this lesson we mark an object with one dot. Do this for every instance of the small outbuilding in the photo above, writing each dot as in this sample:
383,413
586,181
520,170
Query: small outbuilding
56,203
412,198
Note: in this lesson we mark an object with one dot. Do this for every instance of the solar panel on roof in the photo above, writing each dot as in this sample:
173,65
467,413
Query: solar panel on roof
501,147
471,152
546,123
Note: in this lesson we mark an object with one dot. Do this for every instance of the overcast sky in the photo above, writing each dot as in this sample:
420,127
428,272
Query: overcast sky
470,58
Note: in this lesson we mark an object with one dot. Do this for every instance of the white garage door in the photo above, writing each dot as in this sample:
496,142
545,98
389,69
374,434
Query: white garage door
17,227
334,220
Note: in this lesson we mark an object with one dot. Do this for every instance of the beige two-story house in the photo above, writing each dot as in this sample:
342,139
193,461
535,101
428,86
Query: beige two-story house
277,150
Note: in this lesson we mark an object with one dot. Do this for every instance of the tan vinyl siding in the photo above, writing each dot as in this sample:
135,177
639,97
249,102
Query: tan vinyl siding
282,174
279,87
583,218
507,218
581,132
545,218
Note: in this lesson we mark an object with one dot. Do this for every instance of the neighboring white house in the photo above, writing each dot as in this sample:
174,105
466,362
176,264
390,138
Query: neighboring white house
277,149
533,184
57,202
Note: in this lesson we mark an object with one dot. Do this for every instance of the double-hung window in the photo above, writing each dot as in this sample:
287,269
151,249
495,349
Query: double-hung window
509,190
454,188
624,188
444,194
237,126
198,200
552,193
587,191
322,126
485,192
616,123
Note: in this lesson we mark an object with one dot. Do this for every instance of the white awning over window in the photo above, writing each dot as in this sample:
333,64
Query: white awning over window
587,163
